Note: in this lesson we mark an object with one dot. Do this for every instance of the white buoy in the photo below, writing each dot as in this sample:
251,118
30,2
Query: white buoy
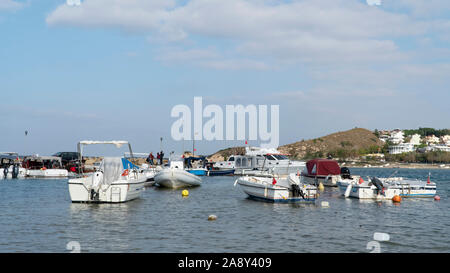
347,190
212,217
382,237
325,204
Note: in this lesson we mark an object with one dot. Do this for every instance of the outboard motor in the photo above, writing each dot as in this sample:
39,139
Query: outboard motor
296,191
377,183
15,171
5,171
345,173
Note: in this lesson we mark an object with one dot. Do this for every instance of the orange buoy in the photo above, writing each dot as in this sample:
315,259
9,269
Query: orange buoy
397,199
437,198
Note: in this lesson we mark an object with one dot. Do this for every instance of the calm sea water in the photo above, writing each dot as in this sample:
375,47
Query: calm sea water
37,216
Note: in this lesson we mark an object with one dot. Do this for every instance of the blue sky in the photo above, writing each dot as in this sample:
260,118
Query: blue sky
114,69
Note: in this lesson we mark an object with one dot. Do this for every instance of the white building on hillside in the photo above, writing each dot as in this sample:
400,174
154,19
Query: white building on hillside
442,148
445,140
432,139
397,136
416,139
401,148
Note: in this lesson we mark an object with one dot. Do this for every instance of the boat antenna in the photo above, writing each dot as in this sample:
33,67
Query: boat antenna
396,171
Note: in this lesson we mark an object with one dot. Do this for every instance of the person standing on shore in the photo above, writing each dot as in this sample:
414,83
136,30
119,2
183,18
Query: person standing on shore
162,157
151,158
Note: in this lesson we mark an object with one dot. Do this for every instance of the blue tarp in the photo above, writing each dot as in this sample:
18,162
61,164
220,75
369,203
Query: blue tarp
127,164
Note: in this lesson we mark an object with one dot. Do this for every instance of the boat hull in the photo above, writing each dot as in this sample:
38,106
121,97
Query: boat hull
118,192
22,173
413,188
220,172
273,193
48,173
175,178
366,191
197,172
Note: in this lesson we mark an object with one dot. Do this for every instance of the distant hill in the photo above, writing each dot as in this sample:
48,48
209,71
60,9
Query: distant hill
345,144
225,153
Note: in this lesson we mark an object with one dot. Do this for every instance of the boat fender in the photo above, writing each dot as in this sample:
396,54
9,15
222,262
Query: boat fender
348,190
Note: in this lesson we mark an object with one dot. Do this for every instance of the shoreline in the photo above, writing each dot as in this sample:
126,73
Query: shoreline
398,166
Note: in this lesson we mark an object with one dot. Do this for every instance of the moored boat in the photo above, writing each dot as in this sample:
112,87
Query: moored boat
113,182
10,166
373,188
261,159
176,177
284,190
325,171
412,188
44,167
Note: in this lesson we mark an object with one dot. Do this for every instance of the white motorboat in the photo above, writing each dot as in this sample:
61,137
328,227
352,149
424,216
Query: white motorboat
114,182
264,159
147,170
10,166
176,177
412,188
373,188
44,167
285,190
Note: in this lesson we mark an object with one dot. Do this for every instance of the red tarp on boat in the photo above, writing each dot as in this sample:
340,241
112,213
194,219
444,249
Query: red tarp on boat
323,167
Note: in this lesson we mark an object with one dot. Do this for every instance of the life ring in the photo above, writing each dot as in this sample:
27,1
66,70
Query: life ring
126,172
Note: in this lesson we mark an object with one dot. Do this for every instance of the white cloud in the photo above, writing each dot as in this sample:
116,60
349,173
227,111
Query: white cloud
373,2
10,5
311,31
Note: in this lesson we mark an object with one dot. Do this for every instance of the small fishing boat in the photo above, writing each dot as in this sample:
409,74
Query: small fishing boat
284,190
44,167
10,166
147,170
113,182
196,165
176,177
325,171
214,171
373,188
412,188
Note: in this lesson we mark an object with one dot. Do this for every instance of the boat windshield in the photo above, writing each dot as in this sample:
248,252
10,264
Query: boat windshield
281,157
270,157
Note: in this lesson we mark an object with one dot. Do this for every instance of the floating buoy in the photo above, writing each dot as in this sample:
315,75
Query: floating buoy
325,204
437,198
397,199
321,187
212,217
185,193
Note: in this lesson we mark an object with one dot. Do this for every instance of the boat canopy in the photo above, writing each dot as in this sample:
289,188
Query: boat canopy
118,143
112,169
323,167
43,158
